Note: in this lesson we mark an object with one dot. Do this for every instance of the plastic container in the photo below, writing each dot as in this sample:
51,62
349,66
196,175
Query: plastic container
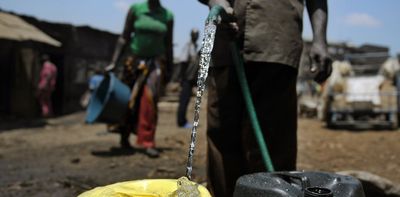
109,102
142,188
298,184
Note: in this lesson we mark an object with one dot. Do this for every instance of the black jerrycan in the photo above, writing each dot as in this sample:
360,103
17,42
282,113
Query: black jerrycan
298,184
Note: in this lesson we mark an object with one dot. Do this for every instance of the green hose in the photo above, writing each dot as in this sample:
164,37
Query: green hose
238,61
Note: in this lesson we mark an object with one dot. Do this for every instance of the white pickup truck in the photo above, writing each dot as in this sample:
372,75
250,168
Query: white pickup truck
363,95
363,102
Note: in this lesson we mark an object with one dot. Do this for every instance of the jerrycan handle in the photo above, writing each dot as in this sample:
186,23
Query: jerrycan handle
305,182
305,185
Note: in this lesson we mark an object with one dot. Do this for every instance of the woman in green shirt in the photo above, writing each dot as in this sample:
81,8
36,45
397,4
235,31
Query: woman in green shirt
148,35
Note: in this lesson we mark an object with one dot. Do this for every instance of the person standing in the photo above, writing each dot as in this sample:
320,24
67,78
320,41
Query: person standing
268,34
189,68
46,86
148,33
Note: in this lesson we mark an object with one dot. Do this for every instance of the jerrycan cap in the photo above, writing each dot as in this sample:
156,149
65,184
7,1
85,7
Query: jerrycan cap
317,192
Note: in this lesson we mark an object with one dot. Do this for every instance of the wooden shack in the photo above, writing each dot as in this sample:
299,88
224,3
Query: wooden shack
20,46
82,48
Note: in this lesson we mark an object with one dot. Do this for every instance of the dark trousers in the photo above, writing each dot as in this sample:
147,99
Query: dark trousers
184,99
232,147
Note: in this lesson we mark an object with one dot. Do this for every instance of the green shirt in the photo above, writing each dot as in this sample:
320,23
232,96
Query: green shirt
150,28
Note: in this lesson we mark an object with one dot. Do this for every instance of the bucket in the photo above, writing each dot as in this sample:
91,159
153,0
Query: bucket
307,184
143,188
109,102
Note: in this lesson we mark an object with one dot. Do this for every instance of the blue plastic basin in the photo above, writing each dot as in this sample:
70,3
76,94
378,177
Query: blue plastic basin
109,102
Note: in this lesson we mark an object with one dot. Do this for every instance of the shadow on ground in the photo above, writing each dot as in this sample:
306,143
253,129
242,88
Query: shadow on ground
11,124
118,151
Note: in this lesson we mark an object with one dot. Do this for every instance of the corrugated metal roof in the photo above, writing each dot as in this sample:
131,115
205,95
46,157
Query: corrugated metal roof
14,28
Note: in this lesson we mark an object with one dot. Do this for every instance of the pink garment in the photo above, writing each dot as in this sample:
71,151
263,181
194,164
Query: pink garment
47,84
146,130
48,76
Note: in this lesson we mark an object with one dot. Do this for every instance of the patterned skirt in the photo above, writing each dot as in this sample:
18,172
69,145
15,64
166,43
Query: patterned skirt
143,76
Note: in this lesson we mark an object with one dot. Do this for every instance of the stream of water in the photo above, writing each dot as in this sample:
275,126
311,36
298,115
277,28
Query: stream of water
205,58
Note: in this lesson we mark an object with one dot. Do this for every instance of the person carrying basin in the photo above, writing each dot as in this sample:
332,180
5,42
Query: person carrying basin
268,34
148,32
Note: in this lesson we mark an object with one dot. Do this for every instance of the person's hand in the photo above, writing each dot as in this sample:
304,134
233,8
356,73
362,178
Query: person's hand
321,63
228,19
109,68
223,3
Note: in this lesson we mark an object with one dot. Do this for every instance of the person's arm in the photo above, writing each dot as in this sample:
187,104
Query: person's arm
169,48
124,38
321,62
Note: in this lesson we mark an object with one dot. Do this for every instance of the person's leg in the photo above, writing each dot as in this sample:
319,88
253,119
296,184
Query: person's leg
224,122
273,89
130,120
42,104
184,99
44,100
147,121
50,105
128,126
124,138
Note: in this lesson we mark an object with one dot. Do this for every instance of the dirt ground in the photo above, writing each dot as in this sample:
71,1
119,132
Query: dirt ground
66,157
